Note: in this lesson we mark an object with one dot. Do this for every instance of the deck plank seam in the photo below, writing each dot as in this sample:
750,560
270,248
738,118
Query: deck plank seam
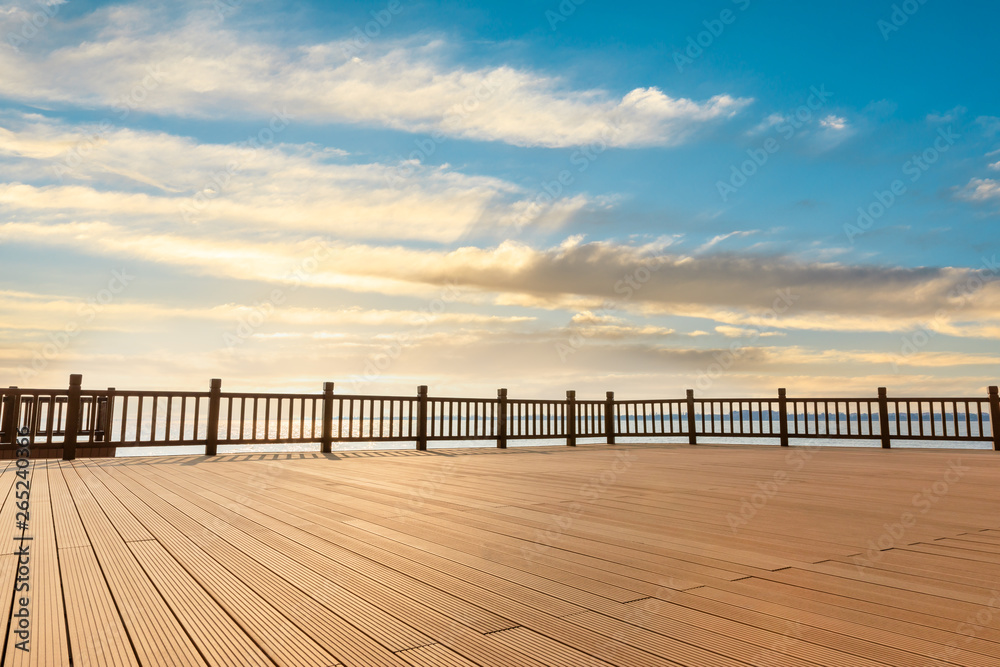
59,570
258,642
187,633
414,648
493,632
101,568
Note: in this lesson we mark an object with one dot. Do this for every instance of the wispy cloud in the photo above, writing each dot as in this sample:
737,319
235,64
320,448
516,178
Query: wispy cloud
714,241
980,190
949,116
744,332
156,179
402,85
772,120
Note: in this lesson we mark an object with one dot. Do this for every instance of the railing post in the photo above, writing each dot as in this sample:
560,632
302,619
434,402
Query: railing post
571,418
883,417
327,434
994,417
422,417
72,425
212,434
10,416
692,438
609,417
783,416
502,418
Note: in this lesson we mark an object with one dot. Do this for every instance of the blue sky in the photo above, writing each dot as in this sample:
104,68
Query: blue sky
730,196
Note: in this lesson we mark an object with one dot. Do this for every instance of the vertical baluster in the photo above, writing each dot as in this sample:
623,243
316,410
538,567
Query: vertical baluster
277,420
50,422
170,403
267,418
109,416
138,419
197,421
312,419
229,417
340,419
152,428
60,421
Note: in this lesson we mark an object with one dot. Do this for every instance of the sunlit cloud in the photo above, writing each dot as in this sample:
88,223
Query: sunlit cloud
583,276
153,177
743,332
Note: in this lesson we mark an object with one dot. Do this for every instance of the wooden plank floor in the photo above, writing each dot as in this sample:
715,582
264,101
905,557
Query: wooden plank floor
629,555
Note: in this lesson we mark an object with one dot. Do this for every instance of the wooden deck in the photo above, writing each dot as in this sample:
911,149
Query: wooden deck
597,555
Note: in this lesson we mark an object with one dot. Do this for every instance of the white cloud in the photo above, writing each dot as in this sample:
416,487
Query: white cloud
833,122
980,189
153,178
204,69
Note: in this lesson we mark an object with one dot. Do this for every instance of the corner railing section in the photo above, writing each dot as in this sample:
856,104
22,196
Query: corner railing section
74,421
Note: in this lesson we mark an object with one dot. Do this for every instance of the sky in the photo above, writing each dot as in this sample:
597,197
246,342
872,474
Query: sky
730,196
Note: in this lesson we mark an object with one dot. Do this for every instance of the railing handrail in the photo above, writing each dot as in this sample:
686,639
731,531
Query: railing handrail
103,417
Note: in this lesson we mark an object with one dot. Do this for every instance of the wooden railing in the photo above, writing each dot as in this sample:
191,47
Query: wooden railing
104,420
